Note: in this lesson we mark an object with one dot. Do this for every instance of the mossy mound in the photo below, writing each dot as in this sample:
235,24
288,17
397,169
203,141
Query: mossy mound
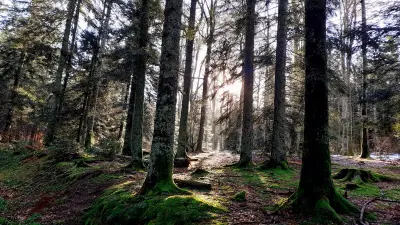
200,172
120,207
239,197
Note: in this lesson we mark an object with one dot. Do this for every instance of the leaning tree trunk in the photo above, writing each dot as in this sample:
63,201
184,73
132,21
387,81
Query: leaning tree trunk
316,192
141,65
364,138
159,175
278,151
183,133
247,127
62,63
210,38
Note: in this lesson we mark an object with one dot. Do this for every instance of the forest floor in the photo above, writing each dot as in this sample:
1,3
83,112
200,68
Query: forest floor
32,188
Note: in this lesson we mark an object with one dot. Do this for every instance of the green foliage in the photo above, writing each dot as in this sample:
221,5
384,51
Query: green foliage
106,148
239,197
393,194
63,150
14,170
118,206
30,221
3,204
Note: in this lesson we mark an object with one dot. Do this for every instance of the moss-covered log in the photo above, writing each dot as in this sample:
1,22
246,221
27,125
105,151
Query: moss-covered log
181,162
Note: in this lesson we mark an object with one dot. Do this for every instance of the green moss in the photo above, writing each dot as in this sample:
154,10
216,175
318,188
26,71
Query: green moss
393,194
324,212
102,178
3,204
366,190
371,216
166,187
119,206
200,172
239,197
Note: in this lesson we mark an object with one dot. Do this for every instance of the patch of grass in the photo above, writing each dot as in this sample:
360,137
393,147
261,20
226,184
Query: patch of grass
364,190
276,178
103,178
16,168
239,197
393,194
119,206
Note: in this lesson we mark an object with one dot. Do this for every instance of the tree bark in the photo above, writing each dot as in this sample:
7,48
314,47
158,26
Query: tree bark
95,74
141,65
247,127
159,176
13,99
183,133
364,138
204,99
278,151
316,192
127,147
62,62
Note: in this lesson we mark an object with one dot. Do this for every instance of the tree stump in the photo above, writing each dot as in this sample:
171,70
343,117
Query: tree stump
359,176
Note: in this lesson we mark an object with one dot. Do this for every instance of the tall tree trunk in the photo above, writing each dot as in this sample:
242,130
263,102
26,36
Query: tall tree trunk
68,69
204,99
141,65
62,62
124,107
267,88
13,99
364,143
183,133
278,151
95,74
247,127
316,192
159,175
127,147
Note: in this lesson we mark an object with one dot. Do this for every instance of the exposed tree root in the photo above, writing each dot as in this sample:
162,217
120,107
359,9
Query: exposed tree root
323,208
167,187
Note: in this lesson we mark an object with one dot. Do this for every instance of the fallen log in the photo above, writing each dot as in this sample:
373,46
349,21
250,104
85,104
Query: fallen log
192,184
181,162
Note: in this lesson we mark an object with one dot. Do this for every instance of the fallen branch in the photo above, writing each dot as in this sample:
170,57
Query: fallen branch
192,184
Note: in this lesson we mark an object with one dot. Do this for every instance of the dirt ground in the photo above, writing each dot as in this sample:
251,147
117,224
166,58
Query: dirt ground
54,203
